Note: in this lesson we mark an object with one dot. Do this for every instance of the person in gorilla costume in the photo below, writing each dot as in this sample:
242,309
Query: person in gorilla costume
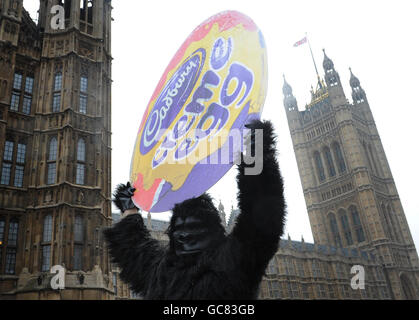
201,261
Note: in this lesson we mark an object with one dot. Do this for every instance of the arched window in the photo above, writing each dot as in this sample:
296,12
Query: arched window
46,244
47,235
56,97
13,161
339,157
46,258
51,163
6,169
81,150
78,229
13,233
11,247
27,98
83,94
81,158
52,156
329,161
78,243
58,81
115,283
346,227
21,90
360,236
335,230
86,16
319,165
16,93
20,165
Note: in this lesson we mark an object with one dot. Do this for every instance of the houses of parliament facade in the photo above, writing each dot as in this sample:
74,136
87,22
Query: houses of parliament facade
355,213
55,167
55,154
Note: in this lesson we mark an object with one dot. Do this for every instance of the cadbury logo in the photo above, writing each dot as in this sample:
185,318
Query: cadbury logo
171,100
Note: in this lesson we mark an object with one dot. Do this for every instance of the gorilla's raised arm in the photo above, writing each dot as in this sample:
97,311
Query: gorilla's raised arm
131,246
262,205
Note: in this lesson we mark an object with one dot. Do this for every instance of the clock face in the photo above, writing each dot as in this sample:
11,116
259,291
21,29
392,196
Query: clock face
213,86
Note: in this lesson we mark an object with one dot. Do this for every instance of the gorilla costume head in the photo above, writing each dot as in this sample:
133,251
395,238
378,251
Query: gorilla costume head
195,226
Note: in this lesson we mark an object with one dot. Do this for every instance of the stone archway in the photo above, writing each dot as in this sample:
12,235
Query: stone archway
408,287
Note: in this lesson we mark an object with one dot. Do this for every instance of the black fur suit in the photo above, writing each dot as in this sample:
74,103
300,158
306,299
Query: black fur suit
233,265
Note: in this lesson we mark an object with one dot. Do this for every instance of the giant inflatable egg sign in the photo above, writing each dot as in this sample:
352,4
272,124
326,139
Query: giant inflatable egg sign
215,84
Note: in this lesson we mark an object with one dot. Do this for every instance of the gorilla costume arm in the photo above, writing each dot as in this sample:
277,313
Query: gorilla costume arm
262,207
131,245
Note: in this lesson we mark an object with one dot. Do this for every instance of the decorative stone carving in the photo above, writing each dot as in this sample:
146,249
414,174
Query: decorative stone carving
86,49
3,87
80,197
60,45
48,196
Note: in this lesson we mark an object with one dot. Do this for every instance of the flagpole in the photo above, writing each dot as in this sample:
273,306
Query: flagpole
315,66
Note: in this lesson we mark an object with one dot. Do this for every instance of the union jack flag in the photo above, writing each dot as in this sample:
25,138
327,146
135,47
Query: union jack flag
299,43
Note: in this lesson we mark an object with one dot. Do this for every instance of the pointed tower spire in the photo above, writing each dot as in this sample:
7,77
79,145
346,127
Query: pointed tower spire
327,62
353,81
358,94
286,88
331,76
303,243
290,103
221,206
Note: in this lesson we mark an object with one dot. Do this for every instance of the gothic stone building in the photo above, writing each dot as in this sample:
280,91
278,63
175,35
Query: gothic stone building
354,209
55,154
301,270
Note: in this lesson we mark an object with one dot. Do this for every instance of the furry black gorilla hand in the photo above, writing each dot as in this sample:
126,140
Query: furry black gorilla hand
201,261
122,197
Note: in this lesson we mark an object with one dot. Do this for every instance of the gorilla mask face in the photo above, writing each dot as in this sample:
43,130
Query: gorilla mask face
190,236
195,226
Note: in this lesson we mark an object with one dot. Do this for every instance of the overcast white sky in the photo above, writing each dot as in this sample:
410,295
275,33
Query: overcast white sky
378,39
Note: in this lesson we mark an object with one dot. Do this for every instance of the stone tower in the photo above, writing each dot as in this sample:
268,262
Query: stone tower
350,193
55,137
